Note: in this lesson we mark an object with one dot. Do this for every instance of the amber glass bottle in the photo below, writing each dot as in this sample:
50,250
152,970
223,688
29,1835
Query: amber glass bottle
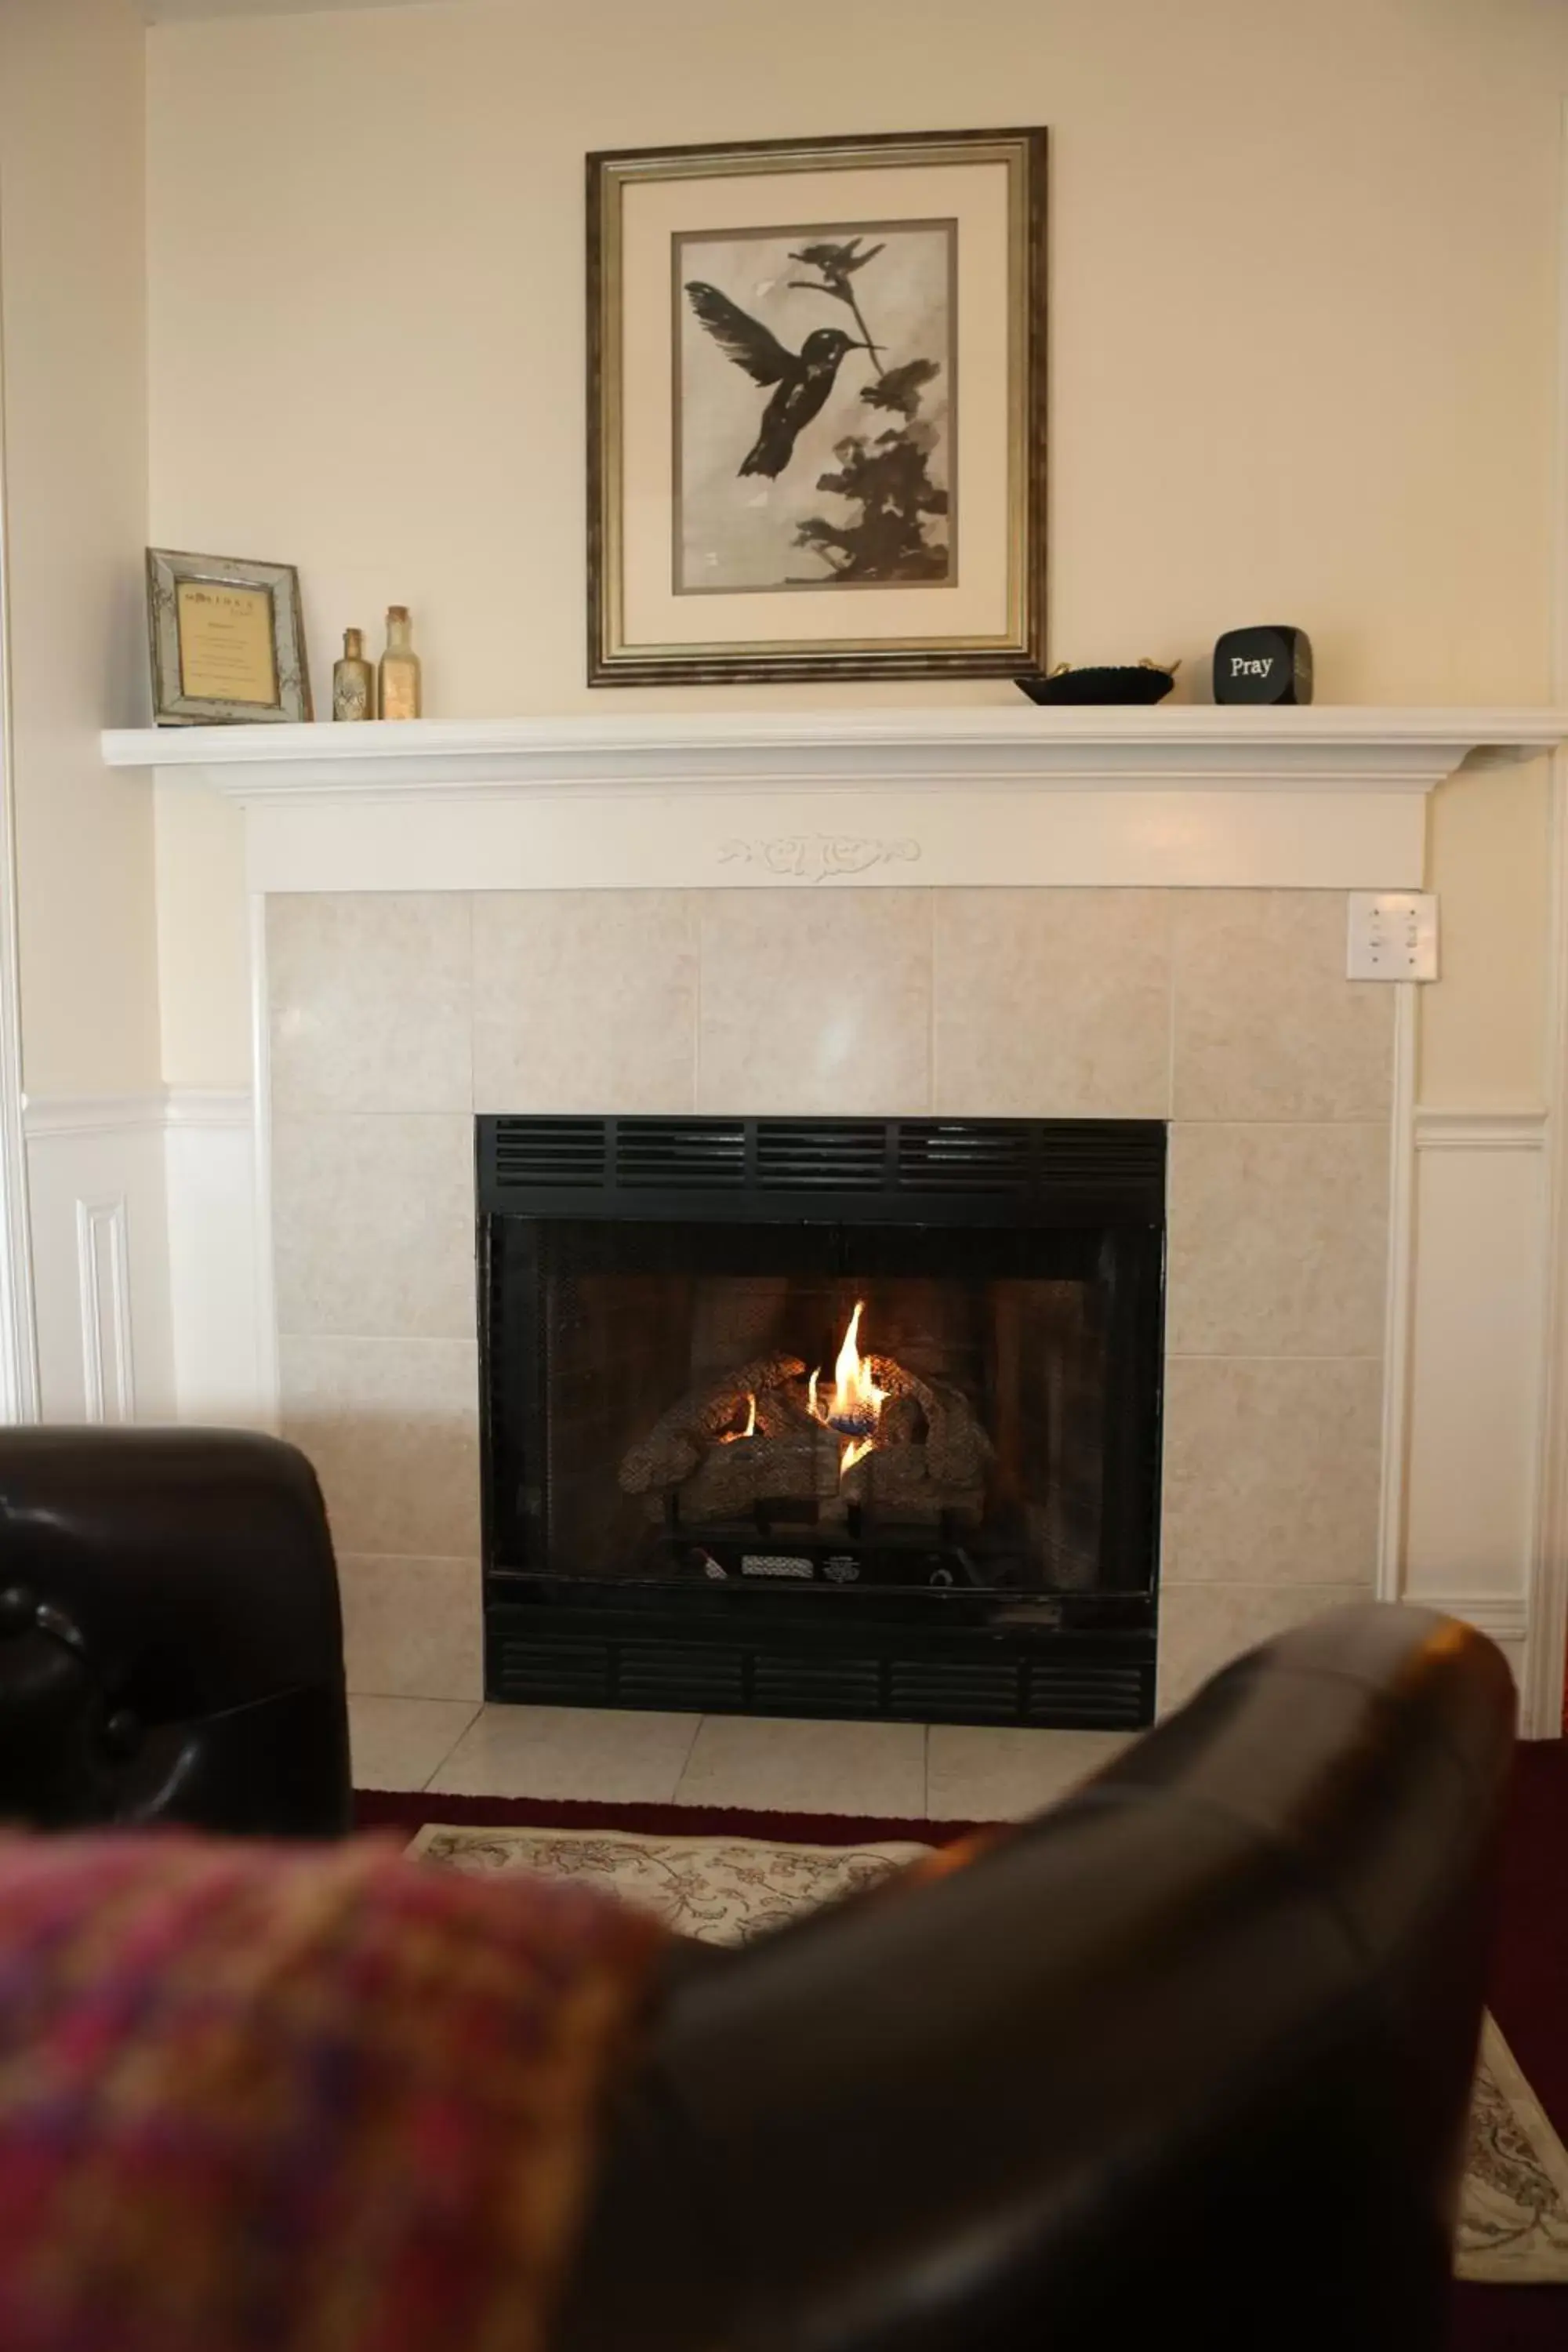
354,680
400,686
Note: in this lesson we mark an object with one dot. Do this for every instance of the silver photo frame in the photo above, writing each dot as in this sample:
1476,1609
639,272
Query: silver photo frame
227,640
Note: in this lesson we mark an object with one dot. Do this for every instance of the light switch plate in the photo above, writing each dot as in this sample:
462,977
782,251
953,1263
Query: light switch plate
1393,935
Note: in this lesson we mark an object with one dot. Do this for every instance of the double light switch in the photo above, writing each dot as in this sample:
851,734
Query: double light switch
1393,935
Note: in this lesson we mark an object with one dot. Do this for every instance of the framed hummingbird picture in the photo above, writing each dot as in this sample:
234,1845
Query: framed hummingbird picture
816,409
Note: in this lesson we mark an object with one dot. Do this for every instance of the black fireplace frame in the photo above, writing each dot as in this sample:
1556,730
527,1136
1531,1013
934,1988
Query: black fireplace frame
1081,1660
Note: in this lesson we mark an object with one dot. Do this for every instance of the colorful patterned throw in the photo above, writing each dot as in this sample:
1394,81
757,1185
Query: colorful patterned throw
306,2101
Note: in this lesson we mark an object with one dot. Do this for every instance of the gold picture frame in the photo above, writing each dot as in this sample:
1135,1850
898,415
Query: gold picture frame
227,640
816,431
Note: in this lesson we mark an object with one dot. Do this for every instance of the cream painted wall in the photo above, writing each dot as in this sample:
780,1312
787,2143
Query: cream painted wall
1483,1025
203,932
1303,356
72,273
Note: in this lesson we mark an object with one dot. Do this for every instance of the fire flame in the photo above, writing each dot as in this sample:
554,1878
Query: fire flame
853,1406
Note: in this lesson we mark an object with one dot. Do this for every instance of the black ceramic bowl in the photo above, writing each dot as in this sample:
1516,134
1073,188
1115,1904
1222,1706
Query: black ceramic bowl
1126,682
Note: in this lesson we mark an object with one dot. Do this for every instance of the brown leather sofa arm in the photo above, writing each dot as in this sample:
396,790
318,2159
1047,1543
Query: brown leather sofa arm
1190,2053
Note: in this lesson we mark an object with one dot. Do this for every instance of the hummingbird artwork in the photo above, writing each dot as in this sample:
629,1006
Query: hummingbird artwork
802,380
888,515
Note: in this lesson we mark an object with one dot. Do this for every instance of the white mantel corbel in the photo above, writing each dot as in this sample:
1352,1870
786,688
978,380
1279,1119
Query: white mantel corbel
1325,797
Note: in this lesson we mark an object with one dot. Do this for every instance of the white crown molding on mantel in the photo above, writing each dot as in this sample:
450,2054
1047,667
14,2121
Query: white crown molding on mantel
1191,796
1326,746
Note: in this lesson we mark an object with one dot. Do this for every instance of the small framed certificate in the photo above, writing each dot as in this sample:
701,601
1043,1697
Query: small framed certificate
227,640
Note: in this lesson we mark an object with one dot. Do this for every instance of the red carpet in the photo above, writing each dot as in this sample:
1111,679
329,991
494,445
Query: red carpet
1529,1969
378,1809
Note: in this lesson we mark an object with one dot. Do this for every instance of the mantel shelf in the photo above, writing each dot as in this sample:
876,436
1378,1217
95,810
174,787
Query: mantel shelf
992,796
1347,748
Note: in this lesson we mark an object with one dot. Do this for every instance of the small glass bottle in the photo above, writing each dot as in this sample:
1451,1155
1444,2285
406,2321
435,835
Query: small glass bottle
354,680
399,668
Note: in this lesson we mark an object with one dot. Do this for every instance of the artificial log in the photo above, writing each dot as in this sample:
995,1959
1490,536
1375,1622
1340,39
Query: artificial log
929,1460
895,1482
957,1450
678,1438
732,1480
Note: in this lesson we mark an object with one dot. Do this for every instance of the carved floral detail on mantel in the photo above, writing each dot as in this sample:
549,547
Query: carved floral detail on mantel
818,857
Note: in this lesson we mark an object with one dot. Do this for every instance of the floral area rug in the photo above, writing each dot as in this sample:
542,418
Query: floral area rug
719,1890
1513,2221
1513,2217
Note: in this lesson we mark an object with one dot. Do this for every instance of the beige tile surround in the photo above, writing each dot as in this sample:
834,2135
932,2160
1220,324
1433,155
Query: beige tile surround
394,1018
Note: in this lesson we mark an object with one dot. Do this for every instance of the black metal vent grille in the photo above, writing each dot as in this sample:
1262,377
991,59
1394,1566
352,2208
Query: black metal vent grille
548,1154
689,1155
688,1676
927,1170
808,1155
933,1690
971,1155
1103,1693
819,1684
1109,1160
555,1672
1098,1698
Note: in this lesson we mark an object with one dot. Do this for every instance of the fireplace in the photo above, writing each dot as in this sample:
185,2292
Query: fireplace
850,1417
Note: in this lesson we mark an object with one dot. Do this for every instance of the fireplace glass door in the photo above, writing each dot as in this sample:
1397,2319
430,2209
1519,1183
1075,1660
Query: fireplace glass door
822,1404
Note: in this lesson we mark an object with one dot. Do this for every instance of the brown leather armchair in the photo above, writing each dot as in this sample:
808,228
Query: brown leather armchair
171,1645
1189,2053
1185,2059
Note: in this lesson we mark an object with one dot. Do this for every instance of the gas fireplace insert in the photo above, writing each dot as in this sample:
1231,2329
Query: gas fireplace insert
850,1417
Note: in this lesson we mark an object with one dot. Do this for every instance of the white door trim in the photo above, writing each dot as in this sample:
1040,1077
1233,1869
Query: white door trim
270,1379
1546,1632
18,1326
1398,1308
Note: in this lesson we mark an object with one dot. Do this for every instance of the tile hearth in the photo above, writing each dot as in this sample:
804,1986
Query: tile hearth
902,1771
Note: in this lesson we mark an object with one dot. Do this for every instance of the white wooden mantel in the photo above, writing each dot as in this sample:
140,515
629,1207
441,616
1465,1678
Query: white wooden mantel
1190,795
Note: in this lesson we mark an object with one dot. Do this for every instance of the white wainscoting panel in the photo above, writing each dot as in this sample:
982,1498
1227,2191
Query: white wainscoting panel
211,1177
1474,1374
103,1290
100,1257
